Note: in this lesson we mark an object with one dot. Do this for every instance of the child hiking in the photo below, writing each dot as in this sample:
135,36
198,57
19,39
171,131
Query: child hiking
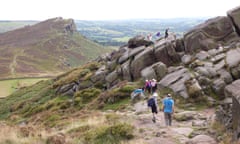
152,103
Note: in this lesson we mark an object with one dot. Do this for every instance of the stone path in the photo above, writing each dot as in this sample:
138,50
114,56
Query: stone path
158,133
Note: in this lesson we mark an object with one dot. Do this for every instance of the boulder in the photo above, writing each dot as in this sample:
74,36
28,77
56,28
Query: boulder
156,71
99,74
233,57
209,72
201,139
176,81
126,71
218,87
138,41
225,76
233,90
130,53
219,65
234,15
235,72
180,45
193,88
165,52
202,55
186,59
185,116
207,35
111,77
148,73
141,61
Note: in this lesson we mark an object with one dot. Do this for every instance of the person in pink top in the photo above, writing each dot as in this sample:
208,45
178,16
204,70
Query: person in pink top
147,86
153,85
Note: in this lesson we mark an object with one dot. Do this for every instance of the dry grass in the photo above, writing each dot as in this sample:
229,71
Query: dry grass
134,141
13,135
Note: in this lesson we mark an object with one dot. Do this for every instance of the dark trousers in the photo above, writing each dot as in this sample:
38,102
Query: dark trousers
168,118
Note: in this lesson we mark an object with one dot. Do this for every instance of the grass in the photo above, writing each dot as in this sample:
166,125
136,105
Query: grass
7,87
117,106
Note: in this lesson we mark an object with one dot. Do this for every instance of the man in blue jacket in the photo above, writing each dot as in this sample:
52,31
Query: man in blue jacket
168,109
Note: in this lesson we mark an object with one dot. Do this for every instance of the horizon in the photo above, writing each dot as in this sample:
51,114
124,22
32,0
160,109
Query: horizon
106,10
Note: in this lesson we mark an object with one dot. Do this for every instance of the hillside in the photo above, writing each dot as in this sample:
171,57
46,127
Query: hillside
45,49
93,103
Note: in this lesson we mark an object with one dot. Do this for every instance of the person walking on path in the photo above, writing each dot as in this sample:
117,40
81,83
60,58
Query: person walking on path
147,86
153,85
152,103
168,109
166,33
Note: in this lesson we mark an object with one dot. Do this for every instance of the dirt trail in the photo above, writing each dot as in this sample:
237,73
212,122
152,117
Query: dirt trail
158,133
13,65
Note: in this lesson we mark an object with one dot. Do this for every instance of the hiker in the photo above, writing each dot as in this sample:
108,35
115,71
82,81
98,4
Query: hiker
168,109
153,85
166,33
152,103
158,34
149,37
147,86
137,93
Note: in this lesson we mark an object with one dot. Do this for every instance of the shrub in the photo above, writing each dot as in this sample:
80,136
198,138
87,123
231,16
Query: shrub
110,134
86,95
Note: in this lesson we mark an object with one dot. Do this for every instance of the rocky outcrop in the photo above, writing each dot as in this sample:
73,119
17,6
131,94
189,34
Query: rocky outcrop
234,15
208,35
233,91
138,41
155,71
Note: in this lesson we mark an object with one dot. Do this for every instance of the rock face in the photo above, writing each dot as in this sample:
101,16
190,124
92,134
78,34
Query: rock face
206,36
234,15
138,41
233,90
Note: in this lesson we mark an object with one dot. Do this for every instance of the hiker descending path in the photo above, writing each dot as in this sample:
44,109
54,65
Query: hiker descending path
180,131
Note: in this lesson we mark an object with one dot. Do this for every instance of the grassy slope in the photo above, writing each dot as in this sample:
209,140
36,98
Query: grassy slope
7,87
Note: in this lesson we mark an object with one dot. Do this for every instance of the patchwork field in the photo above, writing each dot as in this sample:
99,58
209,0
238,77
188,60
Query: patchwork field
7,87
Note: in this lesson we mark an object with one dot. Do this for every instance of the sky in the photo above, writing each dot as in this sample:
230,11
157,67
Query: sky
113,9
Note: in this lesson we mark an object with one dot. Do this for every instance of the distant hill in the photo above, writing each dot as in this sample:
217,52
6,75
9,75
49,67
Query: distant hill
118,32
44,49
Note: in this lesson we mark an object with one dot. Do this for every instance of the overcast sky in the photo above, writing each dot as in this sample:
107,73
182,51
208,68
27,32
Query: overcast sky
113,9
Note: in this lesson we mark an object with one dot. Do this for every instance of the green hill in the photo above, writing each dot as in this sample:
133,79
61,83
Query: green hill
44,49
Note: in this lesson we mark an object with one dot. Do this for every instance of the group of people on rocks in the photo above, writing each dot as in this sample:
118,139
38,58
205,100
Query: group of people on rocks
150,89
150,86
158,35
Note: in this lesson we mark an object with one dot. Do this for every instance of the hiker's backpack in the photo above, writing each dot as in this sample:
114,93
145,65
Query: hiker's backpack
151,102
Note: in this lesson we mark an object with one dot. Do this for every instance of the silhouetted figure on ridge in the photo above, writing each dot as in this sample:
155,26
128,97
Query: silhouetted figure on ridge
166,32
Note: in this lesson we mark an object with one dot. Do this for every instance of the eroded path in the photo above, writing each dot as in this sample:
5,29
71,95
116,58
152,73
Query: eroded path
13,65
179,133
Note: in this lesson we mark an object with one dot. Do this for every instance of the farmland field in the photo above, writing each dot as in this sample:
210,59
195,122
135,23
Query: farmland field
9,86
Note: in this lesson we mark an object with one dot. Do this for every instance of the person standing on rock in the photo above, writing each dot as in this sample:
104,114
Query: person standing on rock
166,33
152,103
168,109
